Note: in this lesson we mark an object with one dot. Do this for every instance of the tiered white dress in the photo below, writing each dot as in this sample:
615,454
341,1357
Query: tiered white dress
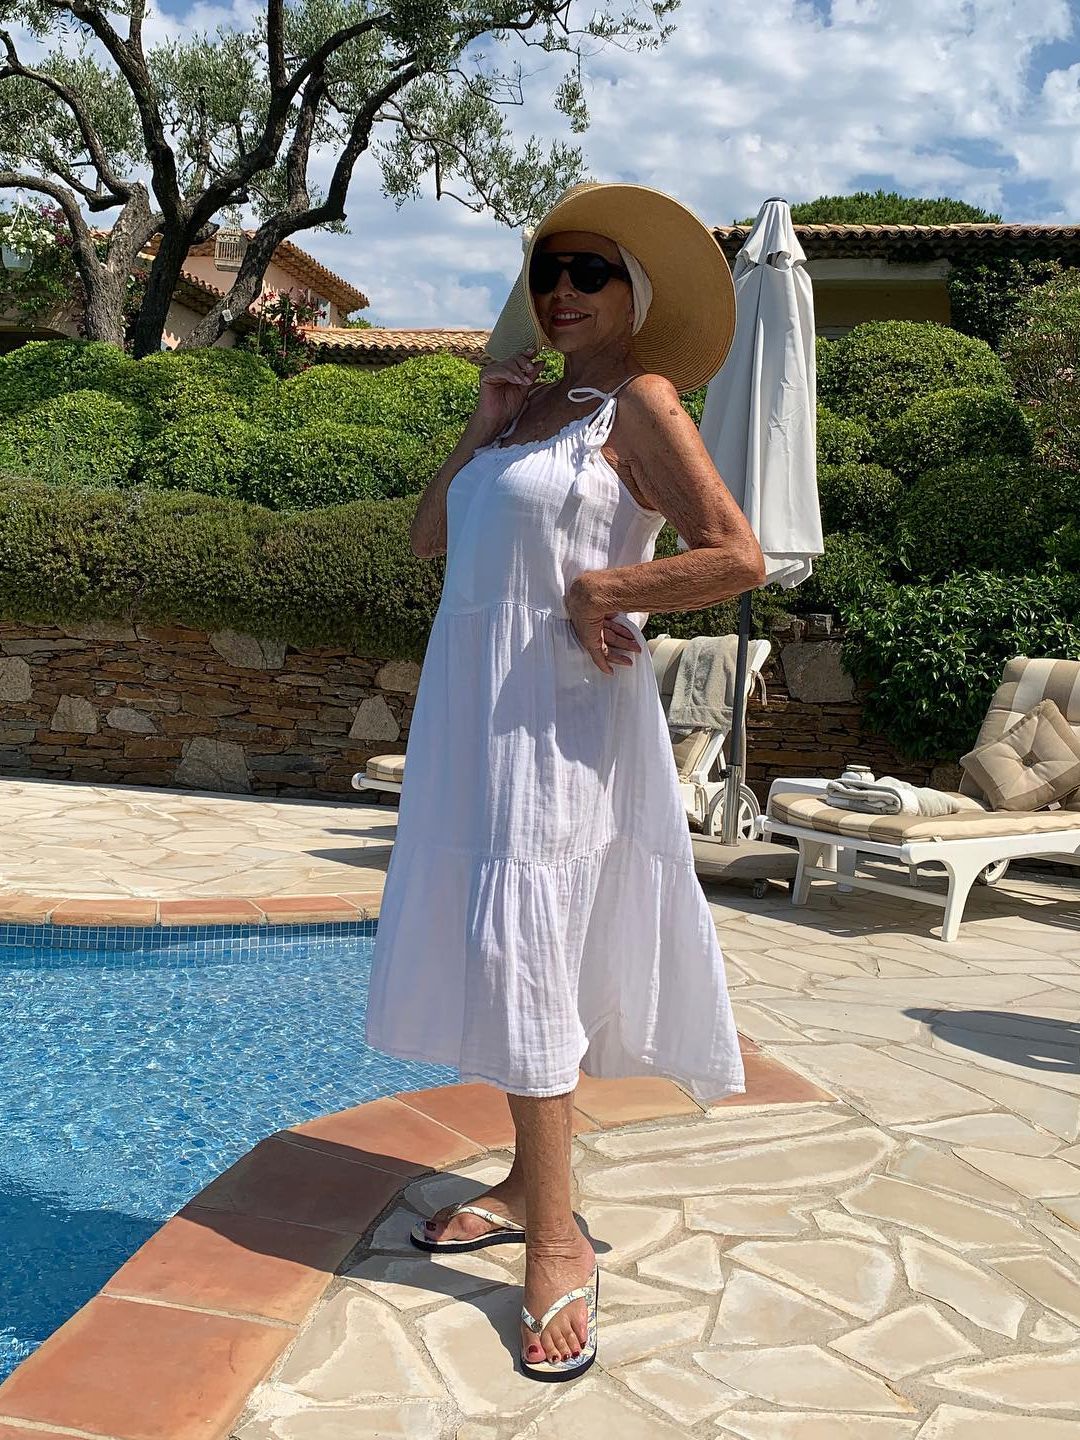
541,908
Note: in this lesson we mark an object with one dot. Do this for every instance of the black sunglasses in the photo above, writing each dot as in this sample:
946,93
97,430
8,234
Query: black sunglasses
588,272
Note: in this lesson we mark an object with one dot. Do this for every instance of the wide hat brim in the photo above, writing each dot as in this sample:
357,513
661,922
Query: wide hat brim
691,321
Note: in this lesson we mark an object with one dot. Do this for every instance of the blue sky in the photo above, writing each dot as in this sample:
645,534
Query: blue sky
978,99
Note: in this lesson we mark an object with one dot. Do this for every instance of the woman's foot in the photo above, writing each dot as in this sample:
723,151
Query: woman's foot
506,1199
552,1268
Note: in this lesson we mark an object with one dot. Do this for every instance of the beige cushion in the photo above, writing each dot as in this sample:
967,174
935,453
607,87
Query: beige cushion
386,767
1024,682
811,813
1035,762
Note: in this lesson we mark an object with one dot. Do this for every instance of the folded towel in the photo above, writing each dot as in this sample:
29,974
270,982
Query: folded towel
703,694
889,796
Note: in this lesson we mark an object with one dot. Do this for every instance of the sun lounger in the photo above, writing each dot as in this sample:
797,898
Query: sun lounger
966,844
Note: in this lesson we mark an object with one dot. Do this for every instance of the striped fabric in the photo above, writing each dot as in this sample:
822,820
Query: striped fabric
386,767
1035,762
811,813
1023,684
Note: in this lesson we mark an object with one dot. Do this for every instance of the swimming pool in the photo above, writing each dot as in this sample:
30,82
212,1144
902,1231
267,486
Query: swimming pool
135,1065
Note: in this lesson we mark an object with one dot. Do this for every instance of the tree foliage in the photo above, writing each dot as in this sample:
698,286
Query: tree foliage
885,207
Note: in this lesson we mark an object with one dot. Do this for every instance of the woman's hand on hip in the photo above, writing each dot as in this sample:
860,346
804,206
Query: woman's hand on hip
505,386
606,638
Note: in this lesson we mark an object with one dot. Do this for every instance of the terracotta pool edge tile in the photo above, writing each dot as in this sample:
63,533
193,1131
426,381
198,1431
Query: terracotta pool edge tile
439,1144
19,908
105,912
43,1405
209,911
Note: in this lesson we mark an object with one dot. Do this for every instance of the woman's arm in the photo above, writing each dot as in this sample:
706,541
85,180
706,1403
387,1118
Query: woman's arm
673,470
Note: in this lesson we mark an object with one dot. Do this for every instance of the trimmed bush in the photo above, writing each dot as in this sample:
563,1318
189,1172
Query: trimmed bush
841,441
953,425
176,385
82,438
427,394
877,371
991,515
345,576
211,453
42,369
858,497
933,654
851,569
324,395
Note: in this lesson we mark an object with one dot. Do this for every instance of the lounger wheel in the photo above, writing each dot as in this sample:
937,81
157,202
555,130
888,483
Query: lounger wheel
760,889
749,810
992,873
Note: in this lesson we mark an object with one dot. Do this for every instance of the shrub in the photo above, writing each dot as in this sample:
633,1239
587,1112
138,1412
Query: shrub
314,466
324,395
427,394
81,438
345,576
877,371
852,567
1042,354
989,515
952,425
934,654
858,497
841,441
209,453
177,384
42,369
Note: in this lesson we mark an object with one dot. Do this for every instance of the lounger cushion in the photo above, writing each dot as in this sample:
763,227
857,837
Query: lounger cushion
1024,682
386,767
1035,762
811,813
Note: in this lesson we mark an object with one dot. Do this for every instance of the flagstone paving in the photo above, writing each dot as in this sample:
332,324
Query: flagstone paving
901,1262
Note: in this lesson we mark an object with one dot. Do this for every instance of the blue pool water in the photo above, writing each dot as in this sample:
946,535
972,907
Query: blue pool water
135,1065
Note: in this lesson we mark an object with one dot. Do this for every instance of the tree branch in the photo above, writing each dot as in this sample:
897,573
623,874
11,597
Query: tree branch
121,189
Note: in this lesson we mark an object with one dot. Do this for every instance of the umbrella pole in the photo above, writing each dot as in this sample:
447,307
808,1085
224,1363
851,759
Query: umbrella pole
737,747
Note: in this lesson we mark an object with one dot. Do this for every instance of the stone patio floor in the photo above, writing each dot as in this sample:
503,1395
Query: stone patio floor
902,1261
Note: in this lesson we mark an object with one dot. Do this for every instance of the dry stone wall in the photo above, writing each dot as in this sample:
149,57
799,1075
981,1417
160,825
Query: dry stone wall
171,706
151,705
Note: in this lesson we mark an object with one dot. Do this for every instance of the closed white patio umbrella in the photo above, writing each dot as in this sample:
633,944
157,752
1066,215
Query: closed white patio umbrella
759,426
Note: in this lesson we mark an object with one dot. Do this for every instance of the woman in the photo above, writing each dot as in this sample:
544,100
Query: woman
541,908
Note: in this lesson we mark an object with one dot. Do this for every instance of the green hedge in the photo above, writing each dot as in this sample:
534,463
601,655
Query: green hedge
841,441
344,576
420,397
953,425
82,438
42,369
934,654
996,514
849,572
858,497
876,371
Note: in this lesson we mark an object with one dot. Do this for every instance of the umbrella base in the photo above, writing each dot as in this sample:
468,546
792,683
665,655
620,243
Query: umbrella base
747,862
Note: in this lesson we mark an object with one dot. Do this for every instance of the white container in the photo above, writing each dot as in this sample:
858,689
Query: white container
862,773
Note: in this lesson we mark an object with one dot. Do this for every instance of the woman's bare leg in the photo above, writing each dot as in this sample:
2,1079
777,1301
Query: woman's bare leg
558,1257
507,1198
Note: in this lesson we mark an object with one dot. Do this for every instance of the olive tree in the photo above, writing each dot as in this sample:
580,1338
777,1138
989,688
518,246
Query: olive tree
173,135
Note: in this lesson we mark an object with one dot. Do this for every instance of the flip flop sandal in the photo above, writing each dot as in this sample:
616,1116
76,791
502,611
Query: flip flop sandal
507,1232
578,1364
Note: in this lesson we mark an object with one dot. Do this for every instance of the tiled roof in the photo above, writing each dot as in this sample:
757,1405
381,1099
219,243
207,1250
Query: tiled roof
299,263
921,242
389,344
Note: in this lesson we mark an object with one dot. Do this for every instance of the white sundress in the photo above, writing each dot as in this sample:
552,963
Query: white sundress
541,910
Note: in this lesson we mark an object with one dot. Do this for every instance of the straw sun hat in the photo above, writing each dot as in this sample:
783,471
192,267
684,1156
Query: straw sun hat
691,321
